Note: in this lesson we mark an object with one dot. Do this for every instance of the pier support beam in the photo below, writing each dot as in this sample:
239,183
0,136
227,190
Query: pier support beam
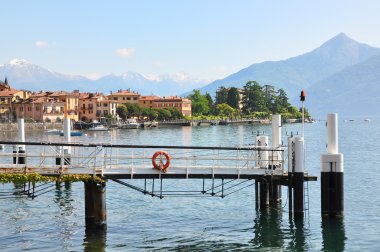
274,193
95,204
332,173
262,194
296,175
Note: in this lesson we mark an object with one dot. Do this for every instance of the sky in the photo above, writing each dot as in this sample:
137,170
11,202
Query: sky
203,39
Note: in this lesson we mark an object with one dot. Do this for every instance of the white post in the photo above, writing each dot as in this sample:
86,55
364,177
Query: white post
21,133
67,129
299,154
262,154
67,134
276,139
303,119
276,131
332,133
290,153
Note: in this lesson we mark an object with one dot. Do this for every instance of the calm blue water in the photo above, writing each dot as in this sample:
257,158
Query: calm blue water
55,221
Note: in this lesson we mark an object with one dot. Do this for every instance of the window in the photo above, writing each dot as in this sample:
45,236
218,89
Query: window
135,98
123,98
128,98
115,98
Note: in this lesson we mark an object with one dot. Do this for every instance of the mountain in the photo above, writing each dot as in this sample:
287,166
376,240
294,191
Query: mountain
22,74
163,85
353,91
302,71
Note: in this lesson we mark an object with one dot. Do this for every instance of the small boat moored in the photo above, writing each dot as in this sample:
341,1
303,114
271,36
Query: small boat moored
72,133
130,124
98,127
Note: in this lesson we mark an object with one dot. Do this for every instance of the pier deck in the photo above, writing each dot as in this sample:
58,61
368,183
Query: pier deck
135,161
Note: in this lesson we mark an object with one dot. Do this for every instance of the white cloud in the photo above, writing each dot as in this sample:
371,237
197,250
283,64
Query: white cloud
125,52
41,43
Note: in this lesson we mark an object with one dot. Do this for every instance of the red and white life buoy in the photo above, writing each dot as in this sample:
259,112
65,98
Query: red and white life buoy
161,160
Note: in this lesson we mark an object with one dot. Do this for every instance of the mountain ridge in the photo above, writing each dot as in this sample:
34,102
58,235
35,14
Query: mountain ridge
22,74
303,70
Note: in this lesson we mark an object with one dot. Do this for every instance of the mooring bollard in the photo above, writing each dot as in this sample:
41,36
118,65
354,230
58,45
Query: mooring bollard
332,173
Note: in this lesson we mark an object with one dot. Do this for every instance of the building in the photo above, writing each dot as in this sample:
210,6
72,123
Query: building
123,96
48,106
96,106
181,104
8,97
148,101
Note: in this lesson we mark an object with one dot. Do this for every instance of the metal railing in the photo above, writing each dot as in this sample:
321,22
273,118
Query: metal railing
100,159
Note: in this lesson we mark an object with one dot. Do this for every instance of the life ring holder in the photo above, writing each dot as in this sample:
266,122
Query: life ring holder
161,165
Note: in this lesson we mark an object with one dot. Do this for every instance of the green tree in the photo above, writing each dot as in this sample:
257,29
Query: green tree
122,111
224,109
282,98
221,95
270,98
199,103
233,97
253,98
164,114
134,110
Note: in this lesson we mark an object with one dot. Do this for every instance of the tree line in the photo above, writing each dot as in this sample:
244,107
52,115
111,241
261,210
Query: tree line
252,100
129,110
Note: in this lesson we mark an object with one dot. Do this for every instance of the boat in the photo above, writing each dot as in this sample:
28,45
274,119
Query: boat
130,124
98,127
367,120
53,132
72,133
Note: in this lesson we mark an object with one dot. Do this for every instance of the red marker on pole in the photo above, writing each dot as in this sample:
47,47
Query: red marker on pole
303,96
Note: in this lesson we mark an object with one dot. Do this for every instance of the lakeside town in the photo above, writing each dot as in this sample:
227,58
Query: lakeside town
251,104
53,106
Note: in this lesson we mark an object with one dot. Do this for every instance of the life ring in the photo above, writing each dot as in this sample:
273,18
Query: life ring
161,165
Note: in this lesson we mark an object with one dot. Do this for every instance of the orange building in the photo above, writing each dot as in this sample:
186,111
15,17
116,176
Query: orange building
148,100
123,96
48,106
8,97
181,104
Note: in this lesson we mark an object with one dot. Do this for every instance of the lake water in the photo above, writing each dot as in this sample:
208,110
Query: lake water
55,221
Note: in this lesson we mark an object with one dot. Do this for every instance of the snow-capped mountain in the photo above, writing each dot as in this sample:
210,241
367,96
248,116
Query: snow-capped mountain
22,74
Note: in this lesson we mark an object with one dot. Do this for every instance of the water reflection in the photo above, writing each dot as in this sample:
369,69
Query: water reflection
333,234
267,229
271,232
94,239
298,235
